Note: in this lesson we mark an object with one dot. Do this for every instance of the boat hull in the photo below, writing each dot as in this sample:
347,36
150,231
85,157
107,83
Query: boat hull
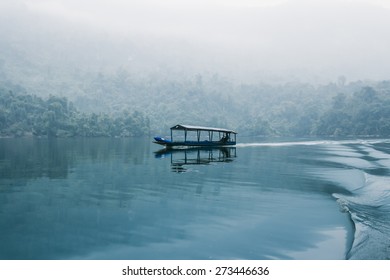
168,143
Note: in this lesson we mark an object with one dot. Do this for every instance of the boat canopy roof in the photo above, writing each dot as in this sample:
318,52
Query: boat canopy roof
197,128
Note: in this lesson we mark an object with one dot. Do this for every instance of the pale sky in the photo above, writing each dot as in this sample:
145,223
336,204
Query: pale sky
322,37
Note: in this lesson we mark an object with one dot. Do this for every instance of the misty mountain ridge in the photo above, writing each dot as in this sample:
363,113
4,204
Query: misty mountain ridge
280,70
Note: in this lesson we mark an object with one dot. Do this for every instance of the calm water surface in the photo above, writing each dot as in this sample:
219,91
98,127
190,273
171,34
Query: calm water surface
125,199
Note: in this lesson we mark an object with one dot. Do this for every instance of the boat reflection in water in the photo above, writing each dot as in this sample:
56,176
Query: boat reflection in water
180,158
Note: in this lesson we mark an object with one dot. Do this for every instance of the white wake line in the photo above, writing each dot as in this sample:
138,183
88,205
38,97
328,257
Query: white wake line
312,143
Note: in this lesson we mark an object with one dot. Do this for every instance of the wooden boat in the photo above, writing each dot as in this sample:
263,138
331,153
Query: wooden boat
198,136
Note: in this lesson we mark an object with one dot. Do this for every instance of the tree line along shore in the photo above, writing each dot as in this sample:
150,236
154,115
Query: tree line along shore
356,109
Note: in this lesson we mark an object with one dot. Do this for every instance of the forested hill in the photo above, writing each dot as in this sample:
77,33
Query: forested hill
117,106
67,70
26,115
290,109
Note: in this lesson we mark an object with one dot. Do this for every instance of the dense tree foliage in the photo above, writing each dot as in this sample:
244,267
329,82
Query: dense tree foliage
366,112
24,114
293,109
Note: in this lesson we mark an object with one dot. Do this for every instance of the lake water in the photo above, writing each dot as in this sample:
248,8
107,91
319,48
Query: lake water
125,199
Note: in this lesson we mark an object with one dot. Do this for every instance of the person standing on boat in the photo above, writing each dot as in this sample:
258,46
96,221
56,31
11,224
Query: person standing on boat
225,138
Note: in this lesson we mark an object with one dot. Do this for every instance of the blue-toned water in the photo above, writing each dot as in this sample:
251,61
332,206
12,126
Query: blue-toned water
126,199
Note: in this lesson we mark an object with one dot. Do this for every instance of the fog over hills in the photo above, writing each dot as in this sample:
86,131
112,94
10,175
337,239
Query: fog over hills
268,67
271,41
